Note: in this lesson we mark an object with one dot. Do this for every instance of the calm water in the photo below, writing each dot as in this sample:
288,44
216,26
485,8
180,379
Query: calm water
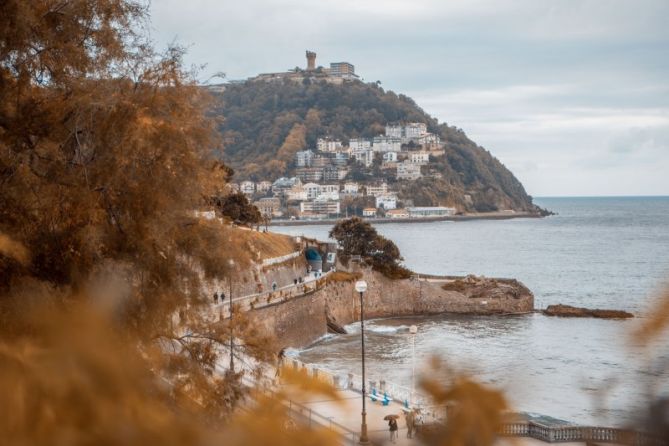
598,252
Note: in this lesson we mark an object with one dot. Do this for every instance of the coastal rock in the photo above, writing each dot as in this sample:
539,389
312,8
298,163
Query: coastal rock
475,287
569,311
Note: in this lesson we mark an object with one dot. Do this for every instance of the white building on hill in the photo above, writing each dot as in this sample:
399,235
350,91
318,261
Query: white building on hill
328,144
386,201
408,171
386,144
430,211
364,156
304,158
376,190
419,157
357,144
247,187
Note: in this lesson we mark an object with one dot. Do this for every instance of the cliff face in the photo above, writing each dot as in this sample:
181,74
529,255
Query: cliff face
265,123
300,321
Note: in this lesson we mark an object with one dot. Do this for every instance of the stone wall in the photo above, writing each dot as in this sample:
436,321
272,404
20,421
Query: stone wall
297,322
259,278
300,321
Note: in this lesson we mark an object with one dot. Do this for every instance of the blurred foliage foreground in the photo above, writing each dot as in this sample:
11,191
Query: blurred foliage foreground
105,154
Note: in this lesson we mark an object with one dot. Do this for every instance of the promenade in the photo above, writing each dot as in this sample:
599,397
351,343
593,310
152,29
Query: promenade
344,417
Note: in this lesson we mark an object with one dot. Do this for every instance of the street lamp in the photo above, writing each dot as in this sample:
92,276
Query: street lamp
361,287
413,330
232,337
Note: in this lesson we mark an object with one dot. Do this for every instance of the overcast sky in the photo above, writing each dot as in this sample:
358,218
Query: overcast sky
571,95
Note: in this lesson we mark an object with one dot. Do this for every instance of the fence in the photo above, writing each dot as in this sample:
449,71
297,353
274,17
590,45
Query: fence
399,393
221,310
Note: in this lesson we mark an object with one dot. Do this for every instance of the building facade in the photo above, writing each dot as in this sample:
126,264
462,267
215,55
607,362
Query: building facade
328,144
386,201
386,144
408,171
376,190
247,187
430,211
319,208
357,144
304,158
419,157
269,207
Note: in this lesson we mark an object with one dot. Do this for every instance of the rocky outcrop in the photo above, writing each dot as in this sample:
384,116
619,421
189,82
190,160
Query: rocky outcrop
569,311
483,287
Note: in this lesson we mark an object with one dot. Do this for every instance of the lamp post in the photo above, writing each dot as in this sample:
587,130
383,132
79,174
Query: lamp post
413,330
232,335
361,287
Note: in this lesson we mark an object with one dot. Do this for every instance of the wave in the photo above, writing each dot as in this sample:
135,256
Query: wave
376,328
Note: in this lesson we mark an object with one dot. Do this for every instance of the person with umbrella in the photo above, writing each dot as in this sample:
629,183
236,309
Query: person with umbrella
392,425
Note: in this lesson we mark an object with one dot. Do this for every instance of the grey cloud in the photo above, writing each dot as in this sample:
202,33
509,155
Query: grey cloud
549,86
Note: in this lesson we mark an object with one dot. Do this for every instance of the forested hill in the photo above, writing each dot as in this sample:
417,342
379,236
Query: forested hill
265,123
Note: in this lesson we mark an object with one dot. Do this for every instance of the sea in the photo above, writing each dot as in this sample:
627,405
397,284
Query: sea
610,253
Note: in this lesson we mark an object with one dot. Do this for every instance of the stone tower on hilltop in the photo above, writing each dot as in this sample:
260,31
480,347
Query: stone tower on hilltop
311,60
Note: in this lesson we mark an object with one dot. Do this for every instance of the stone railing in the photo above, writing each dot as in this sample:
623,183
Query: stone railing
588,434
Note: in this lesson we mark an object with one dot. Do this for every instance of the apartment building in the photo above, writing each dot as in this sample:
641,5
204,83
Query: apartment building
386,202
317,208
359,144
263,186
247,187
270,207
408,171
328,144
364,156
309,174
419,157
386,144
304,158
377,189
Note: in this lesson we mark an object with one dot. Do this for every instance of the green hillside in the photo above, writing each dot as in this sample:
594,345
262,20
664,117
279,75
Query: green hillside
265,123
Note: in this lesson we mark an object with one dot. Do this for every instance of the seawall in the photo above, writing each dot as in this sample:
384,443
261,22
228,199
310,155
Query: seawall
302,320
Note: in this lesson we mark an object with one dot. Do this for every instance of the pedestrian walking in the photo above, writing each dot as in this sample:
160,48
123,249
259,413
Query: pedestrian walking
273,286
392,424
215,298
280,358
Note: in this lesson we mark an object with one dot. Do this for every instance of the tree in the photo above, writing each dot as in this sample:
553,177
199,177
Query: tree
358,237
104,155
238,208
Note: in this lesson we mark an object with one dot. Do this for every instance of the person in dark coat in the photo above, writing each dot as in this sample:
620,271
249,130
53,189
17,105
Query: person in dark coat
392,425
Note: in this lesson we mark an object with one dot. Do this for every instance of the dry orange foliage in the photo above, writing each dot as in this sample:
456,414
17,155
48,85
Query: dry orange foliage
475,411
77,380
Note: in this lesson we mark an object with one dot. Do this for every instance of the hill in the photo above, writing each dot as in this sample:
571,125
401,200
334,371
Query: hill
265,123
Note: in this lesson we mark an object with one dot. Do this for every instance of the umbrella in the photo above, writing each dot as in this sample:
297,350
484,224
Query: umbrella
391,417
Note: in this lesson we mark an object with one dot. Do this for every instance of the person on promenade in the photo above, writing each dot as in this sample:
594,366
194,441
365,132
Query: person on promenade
280,358
215,298
273,286
392,424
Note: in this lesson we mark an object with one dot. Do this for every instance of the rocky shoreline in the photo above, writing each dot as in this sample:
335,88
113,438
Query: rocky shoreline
463,217
561,310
